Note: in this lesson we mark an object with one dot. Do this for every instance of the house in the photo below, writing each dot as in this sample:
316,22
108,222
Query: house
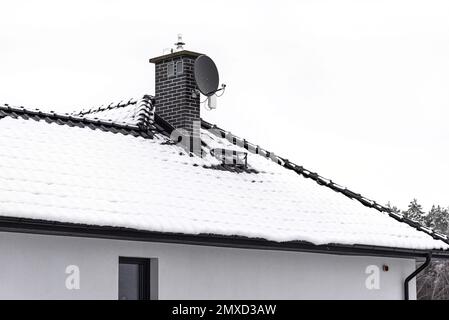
117,203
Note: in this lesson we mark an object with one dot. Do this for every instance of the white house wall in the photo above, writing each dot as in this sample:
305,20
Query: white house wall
34,267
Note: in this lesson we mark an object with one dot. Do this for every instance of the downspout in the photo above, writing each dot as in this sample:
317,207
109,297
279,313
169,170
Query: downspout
414,274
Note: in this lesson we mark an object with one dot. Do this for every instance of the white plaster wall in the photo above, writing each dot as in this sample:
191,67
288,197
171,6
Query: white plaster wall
33,267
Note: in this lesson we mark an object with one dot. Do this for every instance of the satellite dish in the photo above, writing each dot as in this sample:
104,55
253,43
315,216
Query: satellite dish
206,75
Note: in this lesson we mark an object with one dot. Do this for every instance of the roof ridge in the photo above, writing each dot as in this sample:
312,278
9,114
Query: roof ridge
101,108
144,114
73,120
323,181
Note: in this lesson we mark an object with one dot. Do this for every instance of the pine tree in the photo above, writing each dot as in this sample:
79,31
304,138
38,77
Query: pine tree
437,219
414,211
433,283
393,208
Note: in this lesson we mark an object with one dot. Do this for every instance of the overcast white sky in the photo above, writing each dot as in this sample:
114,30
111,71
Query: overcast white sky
355,90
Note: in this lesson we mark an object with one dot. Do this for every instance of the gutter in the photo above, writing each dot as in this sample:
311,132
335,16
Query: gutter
414,274
26,225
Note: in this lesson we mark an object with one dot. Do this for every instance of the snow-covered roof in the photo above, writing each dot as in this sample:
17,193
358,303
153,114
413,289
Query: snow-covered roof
113,167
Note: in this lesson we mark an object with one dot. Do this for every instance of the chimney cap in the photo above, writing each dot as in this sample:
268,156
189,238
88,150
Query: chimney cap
175,55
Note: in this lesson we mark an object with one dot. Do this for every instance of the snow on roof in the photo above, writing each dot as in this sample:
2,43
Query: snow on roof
132,112
60,171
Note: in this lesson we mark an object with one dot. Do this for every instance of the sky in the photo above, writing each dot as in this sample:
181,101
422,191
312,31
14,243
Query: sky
357,91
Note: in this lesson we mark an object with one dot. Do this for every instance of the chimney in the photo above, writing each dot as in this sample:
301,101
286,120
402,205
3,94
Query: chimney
176,100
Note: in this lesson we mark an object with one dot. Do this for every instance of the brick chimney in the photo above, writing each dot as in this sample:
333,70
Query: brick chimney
176,99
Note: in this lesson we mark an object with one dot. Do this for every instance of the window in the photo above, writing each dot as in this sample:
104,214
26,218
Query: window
171,69
137,279
179,67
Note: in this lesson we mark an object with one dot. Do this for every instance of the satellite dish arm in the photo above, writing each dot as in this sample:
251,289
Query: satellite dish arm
223,88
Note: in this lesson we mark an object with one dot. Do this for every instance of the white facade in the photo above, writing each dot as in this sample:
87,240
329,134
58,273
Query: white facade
34,267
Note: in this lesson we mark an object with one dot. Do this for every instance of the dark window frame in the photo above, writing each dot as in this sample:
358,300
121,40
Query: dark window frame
147,289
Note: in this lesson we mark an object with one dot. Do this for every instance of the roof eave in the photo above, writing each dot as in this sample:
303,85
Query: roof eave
20,225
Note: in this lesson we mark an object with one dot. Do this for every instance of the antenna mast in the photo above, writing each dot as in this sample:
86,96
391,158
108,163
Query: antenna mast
180,44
